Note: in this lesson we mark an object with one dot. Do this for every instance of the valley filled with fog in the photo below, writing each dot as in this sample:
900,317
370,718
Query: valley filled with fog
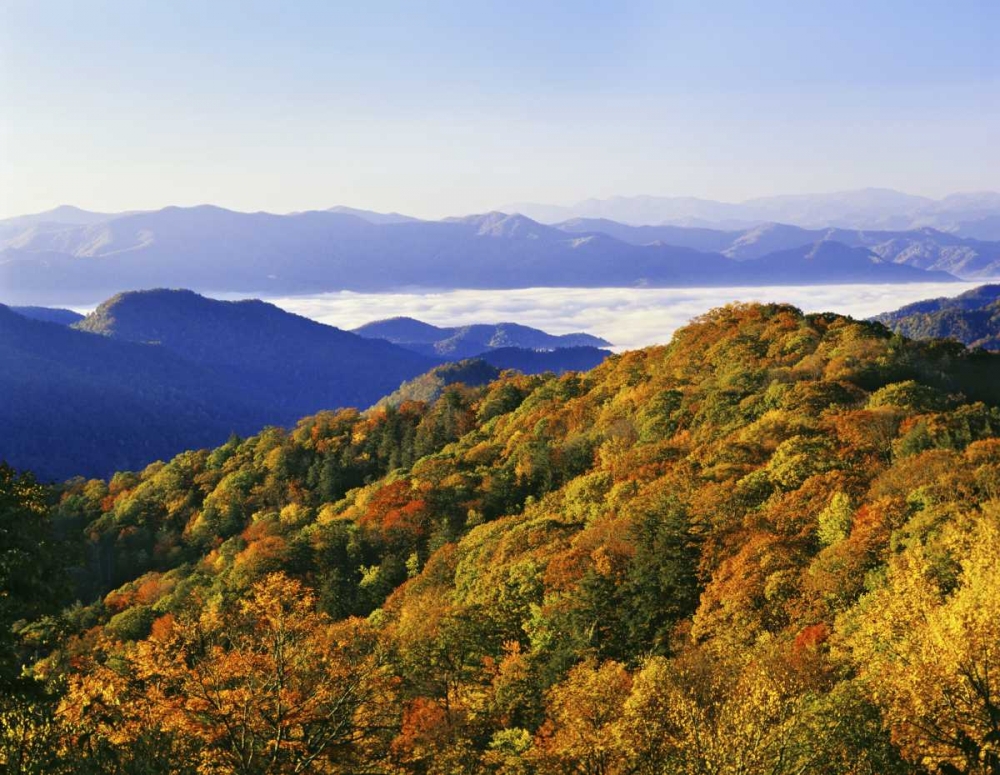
627,317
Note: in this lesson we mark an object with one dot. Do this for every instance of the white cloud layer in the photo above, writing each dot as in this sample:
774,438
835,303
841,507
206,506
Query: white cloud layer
628,317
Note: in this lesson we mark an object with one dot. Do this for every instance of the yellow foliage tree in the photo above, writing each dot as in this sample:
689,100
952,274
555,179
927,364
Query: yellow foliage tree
930,657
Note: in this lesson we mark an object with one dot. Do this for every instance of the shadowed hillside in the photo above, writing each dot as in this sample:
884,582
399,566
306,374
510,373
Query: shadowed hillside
972,318
470,341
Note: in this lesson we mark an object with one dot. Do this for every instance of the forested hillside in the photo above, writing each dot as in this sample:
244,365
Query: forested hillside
972,318
149,374
772,546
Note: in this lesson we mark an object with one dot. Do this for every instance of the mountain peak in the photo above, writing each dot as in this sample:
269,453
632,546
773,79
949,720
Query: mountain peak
373,217
69,215
401,329
830,250
510,225
471,340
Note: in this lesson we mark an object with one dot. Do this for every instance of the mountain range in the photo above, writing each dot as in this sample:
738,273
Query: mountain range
870,208
469,341
923,248
213,250
150,373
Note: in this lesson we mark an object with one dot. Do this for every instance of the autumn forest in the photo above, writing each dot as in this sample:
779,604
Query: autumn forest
771,546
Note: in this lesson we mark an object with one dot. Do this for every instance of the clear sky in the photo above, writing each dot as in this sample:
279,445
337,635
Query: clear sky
435,108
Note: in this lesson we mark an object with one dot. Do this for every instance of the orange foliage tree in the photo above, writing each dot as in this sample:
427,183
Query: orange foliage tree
265,686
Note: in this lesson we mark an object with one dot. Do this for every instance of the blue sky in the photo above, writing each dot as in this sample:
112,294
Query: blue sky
443,108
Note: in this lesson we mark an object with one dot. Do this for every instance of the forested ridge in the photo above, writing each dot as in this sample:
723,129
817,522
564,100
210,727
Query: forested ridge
972,318
771,546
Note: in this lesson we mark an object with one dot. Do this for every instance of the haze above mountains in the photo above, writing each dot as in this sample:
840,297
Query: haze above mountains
71,256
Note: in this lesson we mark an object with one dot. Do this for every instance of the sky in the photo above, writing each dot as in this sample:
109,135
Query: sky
435,109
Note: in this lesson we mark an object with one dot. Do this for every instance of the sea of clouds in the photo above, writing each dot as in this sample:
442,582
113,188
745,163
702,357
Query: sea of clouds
628,317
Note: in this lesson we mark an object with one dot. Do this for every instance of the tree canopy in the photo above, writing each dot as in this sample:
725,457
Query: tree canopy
768,547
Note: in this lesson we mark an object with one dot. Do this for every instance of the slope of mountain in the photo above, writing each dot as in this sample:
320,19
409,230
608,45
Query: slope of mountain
28,229
924,248
74,403
707,240
212,249
831,262
471,340
974,299
67,215
773,542
288,361
986,228
371,216
558,361
151,373
196,369
972,318
871,208
481,370
428,387
775,237
932,249
64,317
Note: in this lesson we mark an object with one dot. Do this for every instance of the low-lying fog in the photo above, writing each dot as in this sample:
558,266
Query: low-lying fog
629,317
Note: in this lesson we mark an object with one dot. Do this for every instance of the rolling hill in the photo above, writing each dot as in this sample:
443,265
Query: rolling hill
150,373
472,340
288,361
64,317
972,318
473,372
558,361
75,403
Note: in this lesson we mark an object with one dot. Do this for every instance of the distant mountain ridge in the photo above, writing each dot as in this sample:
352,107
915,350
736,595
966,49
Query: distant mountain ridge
213,250
63,214
64,317
471,340
372,216
151,373
829,260
294,362
923,248
870,208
